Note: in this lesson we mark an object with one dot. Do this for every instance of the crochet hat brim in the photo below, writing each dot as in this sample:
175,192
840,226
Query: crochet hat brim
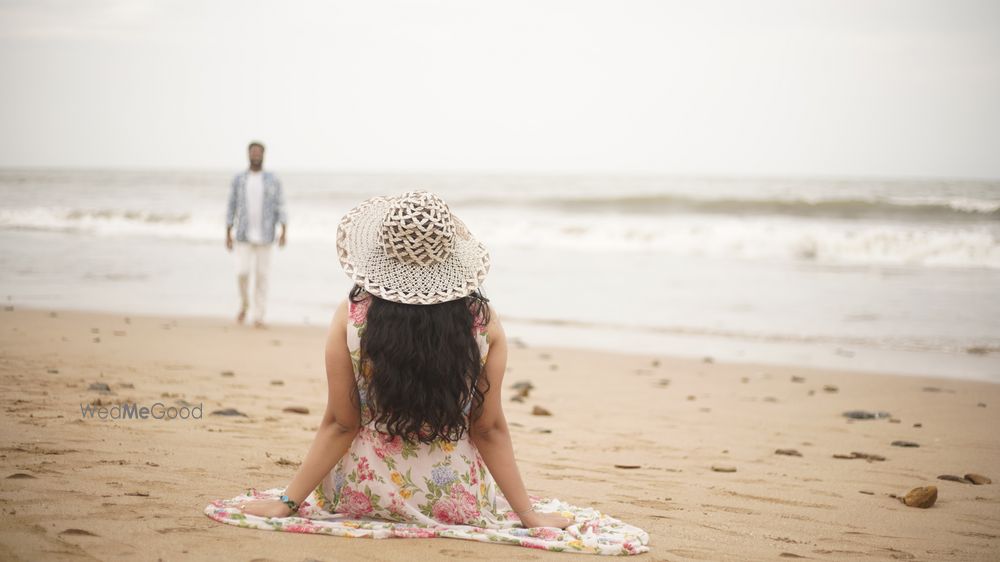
363,257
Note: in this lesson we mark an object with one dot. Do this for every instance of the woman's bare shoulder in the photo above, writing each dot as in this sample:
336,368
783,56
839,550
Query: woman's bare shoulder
338,323
494,327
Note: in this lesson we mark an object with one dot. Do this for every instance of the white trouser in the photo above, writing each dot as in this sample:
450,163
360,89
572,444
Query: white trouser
260,254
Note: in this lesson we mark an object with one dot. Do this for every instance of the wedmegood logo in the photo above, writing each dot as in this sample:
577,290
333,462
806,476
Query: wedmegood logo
130,411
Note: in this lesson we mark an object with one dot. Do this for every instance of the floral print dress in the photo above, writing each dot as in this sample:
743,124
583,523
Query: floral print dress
387,487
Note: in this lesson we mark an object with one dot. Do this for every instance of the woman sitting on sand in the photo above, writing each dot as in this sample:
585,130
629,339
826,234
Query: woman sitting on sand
414,442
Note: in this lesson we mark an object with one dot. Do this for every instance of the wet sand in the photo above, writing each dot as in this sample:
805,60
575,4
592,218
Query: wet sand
83,489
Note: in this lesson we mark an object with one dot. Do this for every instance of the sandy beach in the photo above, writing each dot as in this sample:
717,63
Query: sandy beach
636,436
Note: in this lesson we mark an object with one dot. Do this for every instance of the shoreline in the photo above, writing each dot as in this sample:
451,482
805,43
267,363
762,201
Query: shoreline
135,489
831,353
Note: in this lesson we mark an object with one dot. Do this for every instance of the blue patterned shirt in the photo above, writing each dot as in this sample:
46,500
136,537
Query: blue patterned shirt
274,206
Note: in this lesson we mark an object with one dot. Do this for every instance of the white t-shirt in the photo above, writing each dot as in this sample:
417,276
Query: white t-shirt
255,207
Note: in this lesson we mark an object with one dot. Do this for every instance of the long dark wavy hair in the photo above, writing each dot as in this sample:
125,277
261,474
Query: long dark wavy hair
425,366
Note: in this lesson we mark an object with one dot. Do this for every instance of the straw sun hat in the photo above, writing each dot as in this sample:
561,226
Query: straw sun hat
410,249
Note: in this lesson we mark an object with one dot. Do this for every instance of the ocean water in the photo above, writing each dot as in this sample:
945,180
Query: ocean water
888,276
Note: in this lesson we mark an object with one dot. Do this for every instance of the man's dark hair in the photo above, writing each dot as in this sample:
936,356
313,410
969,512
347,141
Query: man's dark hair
255,143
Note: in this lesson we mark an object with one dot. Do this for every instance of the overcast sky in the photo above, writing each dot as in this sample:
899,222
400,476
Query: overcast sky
797,87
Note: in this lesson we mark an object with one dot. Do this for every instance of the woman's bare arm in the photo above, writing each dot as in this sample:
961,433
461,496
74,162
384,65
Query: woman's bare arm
491,435
337,430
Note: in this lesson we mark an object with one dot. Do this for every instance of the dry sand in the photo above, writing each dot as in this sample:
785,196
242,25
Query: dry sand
135,489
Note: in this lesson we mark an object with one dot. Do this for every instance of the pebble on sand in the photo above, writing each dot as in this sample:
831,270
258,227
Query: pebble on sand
870,457
110,402
523,389
228,374
830,388
296,410
78,532
522,385
228,412
953,478
540,411
796,378
904,444
789,452
865,415
723,468
978,479
922,497
277,383
99,387
627,466
21,475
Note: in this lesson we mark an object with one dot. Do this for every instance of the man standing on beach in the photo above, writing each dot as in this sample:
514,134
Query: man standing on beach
256,206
